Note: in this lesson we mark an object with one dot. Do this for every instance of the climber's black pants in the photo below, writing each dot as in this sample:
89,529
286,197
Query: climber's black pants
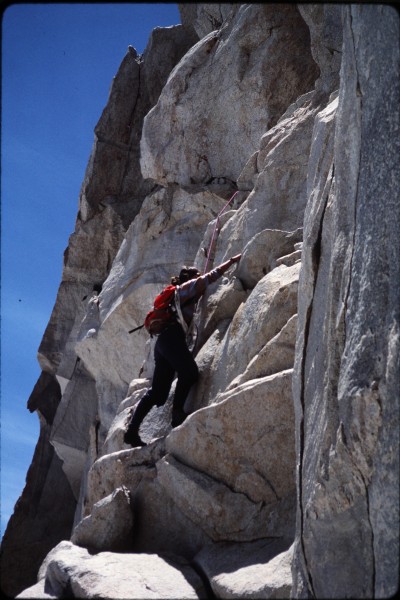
171,356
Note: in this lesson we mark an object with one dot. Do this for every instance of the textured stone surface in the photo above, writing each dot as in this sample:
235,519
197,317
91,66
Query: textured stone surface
276,176
165,48
112,191
111,471
243,54
70,429
325,24
261,253
247,434
271,303
204,18
260,569
165,235
255,104
69,569
46,501
221,512
347,356
277,355
109,525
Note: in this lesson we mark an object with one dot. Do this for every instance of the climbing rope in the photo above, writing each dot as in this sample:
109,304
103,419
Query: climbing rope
209,252
210,248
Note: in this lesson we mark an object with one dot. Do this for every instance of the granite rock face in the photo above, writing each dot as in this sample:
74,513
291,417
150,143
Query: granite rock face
111,195
283,480
346,383
204,127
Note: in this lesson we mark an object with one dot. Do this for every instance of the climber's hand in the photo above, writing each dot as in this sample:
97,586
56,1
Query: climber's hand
235,259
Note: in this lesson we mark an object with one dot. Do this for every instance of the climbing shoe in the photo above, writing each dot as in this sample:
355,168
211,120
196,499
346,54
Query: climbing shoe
178,416
133,438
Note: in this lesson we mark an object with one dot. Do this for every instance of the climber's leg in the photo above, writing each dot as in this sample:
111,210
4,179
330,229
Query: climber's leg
173,348
163,375
141,410
156,396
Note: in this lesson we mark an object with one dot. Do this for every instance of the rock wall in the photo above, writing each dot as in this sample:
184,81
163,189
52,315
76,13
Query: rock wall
283,480
346,383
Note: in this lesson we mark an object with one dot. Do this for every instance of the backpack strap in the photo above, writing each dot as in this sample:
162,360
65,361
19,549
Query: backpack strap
179,315
177,312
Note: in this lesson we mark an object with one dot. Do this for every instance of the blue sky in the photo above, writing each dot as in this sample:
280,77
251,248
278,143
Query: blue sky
58,61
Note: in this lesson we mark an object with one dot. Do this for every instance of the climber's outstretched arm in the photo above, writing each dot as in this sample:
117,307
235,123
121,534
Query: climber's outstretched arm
225,266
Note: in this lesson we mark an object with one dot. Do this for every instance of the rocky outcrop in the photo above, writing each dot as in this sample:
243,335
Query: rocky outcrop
283,480
44,512
71,571
260,569
346,383
215,137
111,195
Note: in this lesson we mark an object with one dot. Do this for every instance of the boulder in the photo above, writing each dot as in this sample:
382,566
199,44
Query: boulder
266,310
69,569
261,254
221,512
260,569
277,355
250,435
111,471
109,526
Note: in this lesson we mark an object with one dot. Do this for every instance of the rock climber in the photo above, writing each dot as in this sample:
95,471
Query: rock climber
171,352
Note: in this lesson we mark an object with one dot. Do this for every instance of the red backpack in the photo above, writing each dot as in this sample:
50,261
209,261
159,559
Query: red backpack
163,311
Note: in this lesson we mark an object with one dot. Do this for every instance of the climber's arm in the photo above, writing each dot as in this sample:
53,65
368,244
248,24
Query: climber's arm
225,266
196,287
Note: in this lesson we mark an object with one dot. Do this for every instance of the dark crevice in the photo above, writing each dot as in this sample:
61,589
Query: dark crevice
301,448
372,542
207,585
316,251
97,429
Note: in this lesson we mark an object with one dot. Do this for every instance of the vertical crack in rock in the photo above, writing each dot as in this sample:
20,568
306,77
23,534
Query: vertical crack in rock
203,576
97,433
372,537
315,255
358,110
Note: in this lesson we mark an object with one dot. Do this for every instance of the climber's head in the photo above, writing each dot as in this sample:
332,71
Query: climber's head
186,273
